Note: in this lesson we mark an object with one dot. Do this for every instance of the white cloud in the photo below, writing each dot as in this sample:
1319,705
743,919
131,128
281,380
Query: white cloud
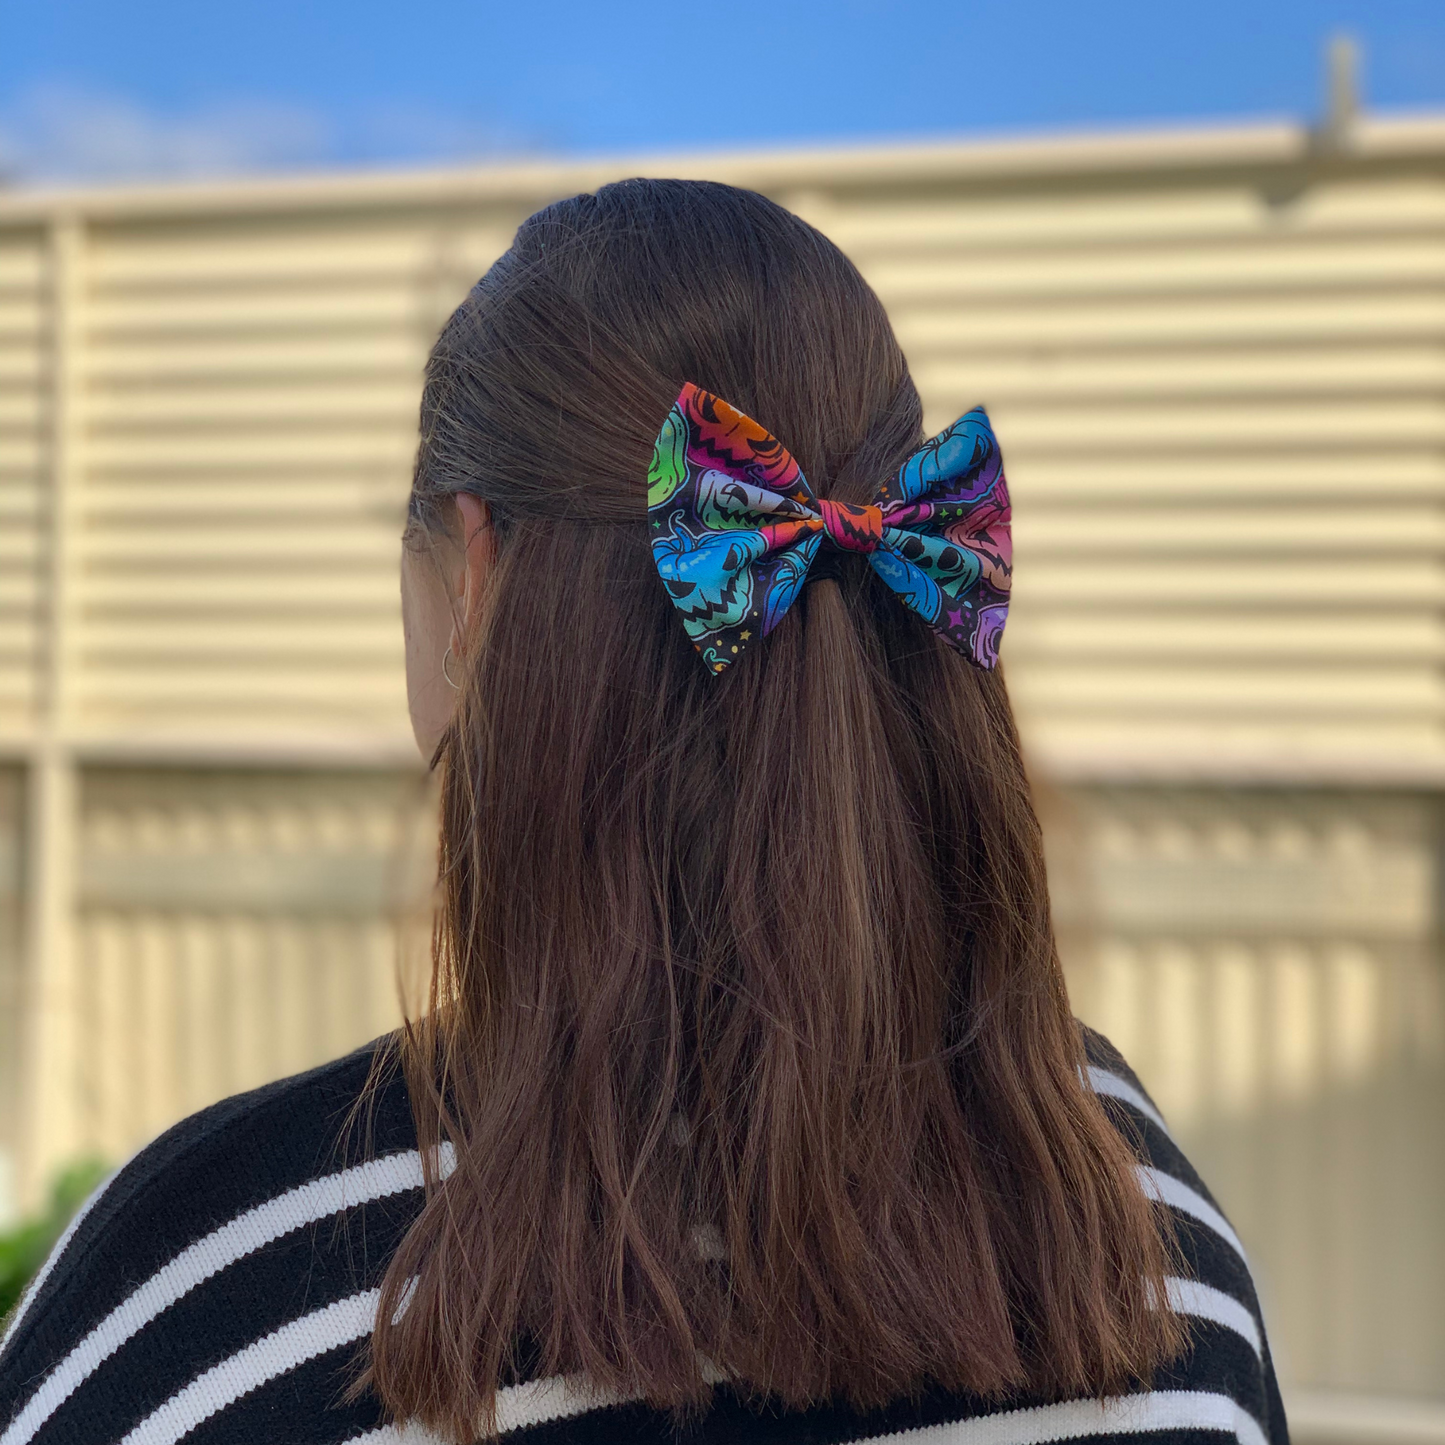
410,132
60,132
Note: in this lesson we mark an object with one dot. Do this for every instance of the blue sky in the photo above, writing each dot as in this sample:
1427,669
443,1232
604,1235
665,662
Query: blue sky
111,89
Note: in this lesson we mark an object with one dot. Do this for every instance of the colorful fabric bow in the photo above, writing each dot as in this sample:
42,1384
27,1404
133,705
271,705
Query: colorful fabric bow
735,527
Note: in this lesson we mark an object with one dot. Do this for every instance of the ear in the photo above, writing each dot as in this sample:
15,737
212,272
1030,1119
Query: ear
479,553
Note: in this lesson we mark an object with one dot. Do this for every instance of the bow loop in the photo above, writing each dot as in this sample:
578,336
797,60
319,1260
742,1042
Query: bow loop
735,527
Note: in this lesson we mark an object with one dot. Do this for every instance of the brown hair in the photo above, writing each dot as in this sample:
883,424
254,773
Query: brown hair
746,1019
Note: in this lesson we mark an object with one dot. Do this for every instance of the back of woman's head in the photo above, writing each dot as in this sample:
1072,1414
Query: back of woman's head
747,1023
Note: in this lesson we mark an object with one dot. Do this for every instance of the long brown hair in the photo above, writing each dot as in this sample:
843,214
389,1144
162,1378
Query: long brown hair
746,1021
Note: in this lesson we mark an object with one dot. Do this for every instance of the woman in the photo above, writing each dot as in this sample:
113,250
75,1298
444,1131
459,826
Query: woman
747,1104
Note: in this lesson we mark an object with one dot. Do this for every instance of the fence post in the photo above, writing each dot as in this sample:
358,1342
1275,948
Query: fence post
54,1065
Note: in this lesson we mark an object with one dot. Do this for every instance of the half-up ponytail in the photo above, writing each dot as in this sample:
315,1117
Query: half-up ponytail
747,1023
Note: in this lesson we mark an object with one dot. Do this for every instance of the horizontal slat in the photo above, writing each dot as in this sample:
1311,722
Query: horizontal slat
334,448
1165,215
344,542
362,255
338,445
264,499
1093,629
19,546
18,589
22,261
1166,427
21,318
1252,375
1353,532
20,454
1385,263
1275,691
340,690
23,371
1218,749
343,309
20,504
22,333
277,592
349,637
242,360
1079,480
1010,327
1289,583
378,402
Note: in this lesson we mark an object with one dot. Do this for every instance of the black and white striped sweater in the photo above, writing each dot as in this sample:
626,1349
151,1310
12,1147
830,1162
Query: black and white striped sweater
216,1288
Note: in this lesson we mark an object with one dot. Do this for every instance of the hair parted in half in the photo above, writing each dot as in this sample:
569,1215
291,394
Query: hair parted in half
746,1017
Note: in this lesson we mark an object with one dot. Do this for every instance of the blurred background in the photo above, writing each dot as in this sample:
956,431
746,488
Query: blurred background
1192,260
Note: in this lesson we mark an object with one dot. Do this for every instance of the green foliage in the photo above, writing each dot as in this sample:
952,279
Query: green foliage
23,1248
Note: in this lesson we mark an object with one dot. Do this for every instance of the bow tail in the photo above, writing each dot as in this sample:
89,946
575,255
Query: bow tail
786,571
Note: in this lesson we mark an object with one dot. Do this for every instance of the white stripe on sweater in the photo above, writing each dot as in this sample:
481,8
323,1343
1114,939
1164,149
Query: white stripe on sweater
1178,1195
61,1245
557,1398
1190,1297
1069,1420
275,1354
1111,1084
243,1235
536,1402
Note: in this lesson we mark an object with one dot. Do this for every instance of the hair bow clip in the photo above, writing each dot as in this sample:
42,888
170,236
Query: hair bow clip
735,527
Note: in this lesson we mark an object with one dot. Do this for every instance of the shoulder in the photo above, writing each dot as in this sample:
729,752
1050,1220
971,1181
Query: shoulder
1164,1170
239,1220
1210,1281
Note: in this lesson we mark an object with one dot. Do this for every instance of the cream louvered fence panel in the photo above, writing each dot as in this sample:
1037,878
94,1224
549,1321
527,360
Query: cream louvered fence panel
1224,415
235,928
1269,961
1224,378
250,413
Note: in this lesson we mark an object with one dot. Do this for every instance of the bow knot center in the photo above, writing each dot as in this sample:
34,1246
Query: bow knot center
850,528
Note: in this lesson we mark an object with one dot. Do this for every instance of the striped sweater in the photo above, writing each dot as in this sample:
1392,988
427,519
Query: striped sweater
216,1289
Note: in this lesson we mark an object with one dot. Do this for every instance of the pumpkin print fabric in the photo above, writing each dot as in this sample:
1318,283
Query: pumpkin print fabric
735,527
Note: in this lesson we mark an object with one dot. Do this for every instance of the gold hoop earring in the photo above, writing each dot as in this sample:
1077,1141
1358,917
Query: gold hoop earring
446,658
